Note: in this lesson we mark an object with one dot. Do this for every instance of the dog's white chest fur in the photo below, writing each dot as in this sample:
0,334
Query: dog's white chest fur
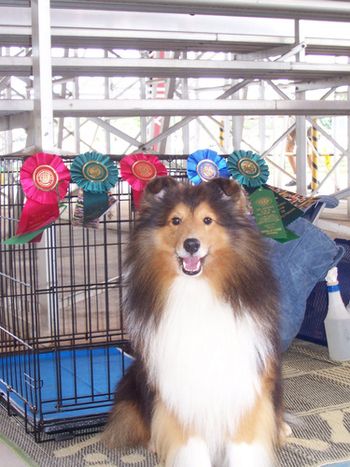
204,360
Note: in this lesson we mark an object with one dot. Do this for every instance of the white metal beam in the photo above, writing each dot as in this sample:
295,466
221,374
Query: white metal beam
322,84
118,29
115,131
42,133
198,107
42,82
19,120
301,9
196,68
261,54
148,107
71,66
300,127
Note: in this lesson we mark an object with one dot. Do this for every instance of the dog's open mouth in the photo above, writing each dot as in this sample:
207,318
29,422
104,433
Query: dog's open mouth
191,265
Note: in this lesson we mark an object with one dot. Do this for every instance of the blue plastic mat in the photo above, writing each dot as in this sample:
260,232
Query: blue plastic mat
63,384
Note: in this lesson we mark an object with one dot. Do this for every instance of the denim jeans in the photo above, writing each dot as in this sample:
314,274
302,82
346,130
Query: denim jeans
298,265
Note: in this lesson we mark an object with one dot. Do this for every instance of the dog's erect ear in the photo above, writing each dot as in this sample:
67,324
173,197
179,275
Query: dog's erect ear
157,188
230,189
159,185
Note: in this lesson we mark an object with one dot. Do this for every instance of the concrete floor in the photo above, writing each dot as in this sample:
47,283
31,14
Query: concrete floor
10,458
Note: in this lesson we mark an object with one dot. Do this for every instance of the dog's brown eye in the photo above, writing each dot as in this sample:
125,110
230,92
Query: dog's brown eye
207,220
176,220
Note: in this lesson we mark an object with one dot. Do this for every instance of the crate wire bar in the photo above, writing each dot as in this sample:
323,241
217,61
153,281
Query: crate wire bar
62,343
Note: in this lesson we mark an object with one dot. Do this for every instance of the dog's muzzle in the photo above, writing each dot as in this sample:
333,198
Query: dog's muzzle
191,260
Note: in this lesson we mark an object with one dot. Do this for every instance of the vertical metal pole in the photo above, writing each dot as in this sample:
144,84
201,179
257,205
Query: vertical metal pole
77,119
186,128
262,119
61,120
143,122
337,135
43,140
171,88
301,149
42,75
107,96
29,129
238,122
8,133
196,125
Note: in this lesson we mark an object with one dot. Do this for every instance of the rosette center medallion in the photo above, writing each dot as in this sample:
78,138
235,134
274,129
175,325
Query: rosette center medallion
95,171
144,170
249,167
45,178
207,169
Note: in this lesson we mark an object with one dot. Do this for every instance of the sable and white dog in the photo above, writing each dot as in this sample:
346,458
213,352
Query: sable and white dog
201,310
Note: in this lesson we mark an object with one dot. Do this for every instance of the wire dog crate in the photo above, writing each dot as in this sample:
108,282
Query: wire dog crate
62,343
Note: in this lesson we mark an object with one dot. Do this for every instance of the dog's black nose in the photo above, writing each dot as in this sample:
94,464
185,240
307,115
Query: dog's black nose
191,245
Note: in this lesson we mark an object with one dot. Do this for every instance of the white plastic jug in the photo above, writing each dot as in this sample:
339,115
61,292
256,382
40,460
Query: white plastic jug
337,322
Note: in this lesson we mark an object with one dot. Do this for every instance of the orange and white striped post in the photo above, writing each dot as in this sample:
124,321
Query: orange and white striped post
314,156
222,135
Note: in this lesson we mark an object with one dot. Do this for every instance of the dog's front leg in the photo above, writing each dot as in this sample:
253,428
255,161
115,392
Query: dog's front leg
253,443
194,453
247,455
175,445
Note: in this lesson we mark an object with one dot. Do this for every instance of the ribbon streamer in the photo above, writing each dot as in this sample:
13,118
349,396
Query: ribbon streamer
138,170
45,180
95,174
204,165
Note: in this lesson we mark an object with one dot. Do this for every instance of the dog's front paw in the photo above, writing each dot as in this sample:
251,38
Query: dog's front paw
194,453
285,432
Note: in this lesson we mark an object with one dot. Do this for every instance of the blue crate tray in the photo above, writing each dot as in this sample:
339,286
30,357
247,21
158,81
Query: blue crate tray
87,377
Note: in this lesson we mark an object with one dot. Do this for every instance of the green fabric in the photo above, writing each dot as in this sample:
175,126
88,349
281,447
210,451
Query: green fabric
21,239
95,204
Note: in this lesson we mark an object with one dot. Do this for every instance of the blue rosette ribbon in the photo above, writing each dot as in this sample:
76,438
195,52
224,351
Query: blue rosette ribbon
248,168
95,174
204,165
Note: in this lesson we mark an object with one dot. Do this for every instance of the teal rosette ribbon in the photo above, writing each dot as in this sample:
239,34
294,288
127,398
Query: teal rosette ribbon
248,168
95,174
204,165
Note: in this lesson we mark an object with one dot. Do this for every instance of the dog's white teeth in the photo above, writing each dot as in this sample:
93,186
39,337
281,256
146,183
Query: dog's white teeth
191,263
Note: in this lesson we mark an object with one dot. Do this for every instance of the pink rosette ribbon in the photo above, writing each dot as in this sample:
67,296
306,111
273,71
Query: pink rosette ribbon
138,170
45,180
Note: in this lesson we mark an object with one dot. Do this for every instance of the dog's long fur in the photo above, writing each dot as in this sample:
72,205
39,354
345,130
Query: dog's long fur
201,310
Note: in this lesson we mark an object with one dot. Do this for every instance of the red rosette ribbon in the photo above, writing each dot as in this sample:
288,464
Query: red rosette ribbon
138,170
45,180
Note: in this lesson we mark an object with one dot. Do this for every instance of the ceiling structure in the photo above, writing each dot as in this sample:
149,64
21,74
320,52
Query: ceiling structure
329,10
169,51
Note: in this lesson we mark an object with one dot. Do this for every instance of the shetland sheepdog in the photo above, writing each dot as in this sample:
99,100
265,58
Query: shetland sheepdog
202,314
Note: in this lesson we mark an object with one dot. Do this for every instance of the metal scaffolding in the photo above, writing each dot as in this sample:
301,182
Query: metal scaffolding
161,77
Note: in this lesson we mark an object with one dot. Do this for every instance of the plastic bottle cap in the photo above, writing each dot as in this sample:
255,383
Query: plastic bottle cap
332,276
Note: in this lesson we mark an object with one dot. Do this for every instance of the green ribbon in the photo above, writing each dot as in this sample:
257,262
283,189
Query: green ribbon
267,215
25,238
95,204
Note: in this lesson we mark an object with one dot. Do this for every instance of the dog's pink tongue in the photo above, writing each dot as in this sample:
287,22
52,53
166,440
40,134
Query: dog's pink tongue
191,263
